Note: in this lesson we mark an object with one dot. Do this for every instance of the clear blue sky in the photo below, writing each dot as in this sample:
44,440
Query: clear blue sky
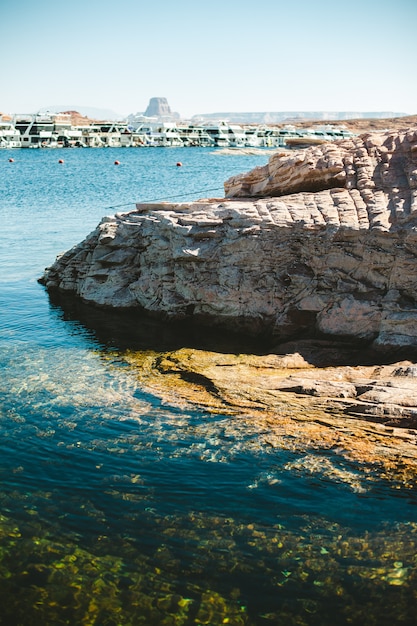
219,55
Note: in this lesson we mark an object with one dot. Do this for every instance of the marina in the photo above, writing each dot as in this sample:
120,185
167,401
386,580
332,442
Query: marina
49,130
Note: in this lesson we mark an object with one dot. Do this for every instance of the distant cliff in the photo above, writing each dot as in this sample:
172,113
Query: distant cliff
320,241
294,117
159,107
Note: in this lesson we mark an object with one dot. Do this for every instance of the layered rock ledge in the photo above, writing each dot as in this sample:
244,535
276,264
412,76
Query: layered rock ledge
321,241
366,414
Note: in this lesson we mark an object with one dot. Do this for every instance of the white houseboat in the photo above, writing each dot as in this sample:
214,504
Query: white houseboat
193,135
47,130
219,132
9,136
36,131
105,135
160,135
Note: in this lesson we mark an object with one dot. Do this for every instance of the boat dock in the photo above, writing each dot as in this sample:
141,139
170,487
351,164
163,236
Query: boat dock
57,131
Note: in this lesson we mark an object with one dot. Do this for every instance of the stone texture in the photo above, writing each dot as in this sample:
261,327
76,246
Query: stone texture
381,168
330,250
363,413
386,394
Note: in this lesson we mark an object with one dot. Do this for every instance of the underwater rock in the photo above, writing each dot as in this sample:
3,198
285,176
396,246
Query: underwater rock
362,412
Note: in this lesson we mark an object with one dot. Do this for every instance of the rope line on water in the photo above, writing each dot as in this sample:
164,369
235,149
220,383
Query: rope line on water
181,195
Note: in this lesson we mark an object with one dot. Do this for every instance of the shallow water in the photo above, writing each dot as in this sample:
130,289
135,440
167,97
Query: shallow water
120,509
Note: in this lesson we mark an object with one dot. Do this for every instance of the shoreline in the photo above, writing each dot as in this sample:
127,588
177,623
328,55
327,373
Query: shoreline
286,402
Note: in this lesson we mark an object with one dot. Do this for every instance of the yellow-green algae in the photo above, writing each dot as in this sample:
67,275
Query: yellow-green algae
53,578
46,581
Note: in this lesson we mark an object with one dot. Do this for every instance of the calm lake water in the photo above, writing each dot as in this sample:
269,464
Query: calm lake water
118,509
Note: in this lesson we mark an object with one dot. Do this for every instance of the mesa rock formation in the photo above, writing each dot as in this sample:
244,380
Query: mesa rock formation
158,107
320,241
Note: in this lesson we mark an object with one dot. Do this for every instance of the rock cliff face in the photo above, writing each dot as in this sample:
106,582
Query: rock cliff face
158,107
319,241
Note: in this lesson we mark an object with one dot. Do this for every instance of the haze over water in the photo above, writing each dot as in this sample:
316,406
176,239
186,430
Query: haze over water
120,509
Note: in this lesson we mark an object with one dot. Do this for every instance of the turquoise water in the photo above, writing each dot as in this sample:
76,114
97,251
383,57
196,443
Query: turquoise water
119,509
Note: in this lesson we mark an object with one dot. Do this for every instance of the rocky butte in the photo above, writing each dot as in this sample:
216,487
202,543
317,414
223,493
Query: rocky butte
318,242
159,107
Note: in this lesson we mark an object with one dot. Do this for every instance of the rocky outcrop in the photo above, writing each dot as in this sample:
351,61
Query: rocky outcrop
326,244
363,413
386,394
379,171
158,107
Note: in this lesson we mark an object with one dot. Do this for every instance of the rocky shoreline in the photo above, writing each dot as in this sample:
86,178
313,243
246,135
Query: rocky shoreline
366,414
320,241
318,245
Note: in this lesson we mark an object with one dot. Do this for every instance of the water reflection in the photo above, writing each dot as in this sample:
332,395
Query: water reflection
137,331
133,330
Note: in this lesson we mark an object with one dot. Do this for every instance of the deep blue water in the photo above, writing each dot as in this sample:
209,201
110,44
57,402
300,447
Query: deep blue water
119,509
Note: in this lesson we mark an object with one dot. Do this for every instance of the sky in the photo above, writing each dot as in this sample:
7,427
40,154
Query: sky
209,56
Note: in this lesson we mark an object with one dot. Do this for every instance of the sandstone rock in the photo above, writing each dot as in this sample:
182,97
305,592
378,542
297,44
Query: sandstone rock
368,392
158,107
385,394
320,388
335,256
381,168
282,401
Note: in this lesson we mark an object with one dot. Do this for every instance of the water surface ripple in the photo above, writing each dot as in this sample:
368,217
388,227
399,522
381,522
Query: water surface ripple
120,509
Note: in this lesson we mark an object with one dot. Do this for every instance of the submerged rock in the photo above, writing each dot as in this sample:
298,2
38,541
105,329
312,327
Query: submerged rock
366,413
334,254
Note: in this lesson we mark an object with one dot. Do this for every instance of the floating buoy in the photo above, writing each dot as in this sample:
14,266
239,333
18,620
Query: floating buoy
179,164
11,160
61,161
117,162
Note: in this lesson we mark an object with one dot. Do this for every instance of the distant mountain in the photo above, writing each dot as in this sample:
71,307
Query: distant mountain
278,117
91,112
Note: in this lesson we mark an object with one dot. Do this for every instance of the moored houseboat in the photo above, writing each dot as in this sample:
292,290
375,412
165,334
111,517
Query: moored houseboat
36,130
47,130
9,136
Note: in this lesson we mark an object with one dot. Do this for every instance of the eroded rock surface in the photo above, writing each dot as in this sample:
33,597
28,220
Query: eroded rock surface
365,413
334,254
381,168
